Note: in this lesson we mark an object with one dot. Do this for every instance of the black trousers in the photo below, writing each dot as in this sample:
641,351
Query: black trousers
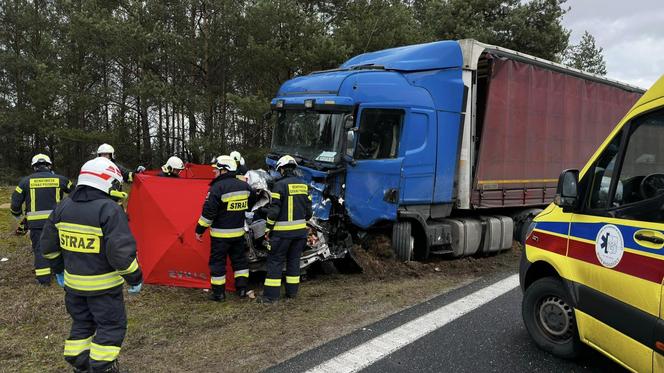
290,251
42,267
234,248
99,324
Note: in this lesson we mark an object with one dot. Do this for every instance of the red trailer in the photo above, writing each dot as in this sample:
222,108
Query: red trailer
538,120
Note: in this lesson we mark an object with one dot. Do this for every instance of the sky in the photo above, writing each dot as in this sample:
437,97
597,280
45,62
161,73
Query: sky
631,33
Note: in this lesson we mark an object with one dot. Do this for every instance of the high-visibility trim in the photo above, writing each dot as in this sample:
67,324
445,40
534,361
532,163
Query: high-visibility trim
235,196
309,197
242,273
33,200
272,282
42,271
275,195
57,195
93,282
227,233
294,189
131,269
75,347
218,280
52,255
130,177
38,215
19,190
270,221
79,228
44,182
290,225
104,353
204,222
290,208
292,280
69,185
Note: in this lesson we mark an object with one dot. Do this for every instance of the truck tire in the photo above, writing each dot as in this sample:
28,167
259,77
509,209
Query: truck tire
402,240
549,318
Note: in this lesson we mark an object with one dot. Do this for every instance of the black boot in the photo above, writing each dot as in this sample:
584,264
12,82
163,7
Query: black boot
217,296
266,300
113,368
242,292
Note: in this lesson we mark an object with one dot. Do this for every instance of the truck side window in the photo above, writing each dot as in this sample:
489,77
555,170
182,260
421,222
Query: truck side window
379,134
602,174
642,172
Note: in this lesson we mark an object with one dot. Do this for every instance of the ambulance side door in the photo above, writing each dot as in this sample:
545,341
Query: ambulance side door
616,245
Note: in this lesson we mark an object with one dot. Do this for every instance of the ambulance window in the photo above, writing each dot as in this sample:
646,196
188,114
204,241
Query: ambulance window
642,172
379,134
603,174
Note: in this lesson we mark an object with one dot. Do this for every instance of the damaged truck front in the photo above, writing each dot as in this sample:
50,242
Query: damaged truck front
442,143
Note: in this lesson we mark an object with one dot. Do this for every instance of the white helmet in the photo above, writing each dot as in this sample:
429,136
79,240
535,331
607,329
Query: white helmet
225,162
174,163
41,158
102,174
285,161
105,149
238,157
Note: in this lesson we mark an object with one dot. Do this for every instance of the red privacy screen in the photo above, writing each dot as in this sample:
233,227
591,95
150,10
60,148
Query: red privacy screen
163,213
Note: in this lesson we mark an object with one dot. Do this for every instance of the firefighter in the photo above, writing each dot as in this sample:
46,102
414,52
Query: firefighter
172,168
88,237
40,192
287,216
227,200
108,152
241,167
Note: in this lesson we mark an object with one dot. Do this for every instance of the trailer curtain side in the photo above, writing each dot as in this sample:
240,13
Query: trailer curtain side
536,123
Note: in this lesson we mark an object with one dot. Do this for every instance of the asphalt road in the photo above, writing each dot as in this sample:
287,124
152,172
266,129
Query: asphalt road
490,338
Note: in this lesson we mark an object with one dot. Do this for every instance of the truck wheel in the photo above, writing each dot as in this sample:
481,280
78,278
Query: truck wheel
403,241
549,318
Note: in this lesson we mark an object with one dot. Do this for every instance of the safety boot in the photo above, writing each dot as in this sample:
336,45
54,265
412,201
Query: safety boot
217,297
113,368
266,300
242,292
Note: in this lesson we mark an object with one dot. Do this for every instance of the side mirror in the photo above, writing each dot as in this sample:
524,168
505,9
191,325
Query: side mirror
567,193
350,147
349,121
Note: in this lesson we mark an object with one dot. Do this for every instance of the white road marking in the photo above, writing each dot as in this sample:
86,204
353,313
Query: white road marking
369,352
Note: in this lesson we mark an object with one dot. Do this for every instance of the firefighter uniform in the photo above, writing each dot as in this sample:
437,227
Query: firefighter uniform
287,217
40,192
88,236
227,200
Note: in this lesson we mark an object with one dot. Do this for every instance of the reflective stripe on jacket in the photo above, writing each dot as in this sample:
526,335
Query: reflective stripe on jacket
223,211
40,192
290,208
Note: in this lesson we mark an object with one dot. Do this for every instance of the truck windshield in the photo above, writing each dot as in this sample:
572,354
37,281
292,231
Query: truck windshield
308,134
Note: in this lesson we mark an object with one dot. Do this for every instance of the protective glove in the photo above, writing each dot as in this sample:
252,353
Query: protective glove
140,169
135,289
60,278
22,228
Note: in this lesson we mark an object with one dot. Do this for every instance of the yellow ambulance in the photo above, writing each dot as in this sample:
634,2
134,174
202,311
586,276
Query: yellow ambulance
593,264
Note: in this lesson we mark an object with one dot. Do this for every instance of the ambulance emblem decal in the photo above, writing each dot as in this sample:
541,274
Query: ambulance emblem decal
609,246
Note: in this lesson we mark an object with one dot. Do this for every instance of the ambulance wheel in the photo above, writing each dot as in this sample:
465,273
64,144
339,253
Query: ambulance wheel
403,241
549,318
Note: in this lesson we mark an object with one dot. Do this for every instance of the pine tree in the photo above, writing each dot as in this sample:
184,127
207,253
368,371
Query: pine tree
586,56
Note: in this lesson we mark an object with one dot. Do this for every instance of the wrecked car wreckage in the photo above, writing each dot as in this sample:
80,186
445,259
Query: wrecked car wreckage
318,249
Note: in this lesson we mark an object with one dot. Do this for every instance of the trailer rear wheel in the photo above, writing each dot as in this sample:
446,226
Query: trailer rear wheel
403,241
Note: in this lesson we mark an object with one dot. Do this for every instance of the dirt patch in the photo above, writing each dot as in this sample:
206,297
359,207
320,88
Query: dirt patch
5,206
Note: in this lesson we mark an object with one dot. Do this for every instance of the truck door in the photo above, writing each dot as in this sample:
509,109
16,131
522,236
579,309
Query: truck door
616,246
372,178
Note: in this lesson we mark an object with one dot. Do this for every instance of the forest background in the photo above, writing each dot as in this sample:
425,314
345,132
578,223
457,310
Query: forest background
193,78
